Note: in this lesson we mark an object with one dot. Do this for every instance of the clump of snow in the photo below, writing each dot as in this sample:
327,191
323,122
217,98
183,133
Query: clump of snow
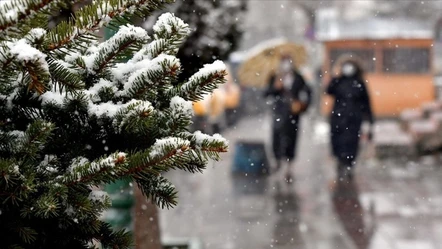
77,162
24,52
108,162
54,97
16,169
207,70
180,105
45,165
167,21
95,89
69,210
11,12
172,142
98,195
46,125
71,57
18,134
108,109
201,138
121,71
36,34
152,50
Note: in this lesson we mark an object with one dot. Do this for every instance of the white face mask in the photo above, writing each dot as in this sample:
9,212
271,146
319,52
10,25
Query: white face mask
286,66
348,69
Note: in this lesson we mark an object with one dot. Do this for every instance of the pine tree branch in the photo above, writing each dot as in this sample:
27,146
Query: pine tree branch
96,172
128,39
204,81
149,80
170,33
38,82
7,62
149,164
112,55
61,74
35,136
31,60
88,20
135,118
158,189
32,8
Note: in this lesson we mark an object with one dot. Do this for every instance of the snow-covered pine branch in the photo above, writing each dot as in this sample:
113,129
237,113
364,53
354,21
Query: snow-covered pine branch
14,12
134,118
128,38
29,59
145,82
204,81
98,14
106,169
169,34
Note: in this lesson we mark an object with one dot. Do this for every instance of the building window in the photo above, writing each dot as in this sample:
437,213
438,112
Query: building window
438,33
406,60
365,56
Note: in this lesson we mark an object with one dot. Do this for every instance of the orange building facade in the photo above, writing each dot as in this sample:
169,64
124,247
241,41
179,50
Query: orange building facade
399,72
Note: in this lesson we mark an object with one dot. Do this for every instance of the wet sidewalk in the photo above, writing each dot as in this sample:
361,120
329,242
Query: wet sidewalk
390,205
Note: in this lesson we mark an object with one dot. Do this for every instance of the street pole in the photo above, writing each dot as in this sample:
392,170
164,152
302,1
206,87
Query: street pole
147,229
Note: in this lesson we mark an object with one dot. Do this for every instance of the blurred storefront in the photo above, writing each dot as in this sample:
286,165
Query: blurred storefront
397,55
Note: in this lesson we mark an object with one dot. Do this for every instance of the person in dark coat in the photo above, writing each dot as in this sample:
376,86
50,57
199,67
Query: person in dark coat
351,107
291,98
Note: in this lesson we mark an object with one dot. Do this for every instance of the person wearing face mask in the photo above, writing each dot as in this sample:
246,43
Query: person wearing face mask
291,97
351,107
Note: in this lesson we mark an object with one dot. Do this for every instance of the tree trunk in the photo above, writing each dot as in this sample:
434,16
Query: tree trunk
147,227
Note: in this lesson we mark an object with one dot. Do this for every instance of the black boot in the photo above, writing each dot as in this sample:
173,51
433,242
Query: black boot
340,174
350,173
345,172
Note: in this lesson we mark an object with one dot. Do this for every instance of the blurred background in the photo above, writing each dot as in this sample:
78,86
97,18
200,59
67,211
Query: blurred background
395,199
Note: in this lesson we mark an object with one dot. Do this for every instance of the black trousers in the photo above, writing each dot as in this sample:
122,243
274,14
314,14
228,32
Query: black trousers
284,138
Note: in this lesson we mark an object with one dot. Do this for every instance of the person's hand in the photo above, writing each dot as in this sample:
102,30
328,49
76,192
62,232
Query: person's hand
296,107
278,84
370,136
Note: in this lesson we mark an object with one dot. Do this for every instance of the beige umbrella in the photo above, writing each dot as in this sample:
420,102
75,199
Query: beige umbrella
257,69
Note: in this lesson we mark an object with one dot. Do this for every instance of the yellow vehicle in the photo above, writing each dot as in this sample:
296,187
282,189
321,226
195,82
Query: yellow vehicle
217,110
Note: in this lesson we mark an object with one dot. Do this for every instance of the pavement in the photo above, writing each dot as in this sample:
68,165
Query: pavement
391,204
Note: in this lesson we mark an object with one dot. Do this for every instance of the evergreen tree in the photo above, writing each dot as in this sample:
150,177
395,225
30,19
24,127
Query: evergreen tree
216,30
76,113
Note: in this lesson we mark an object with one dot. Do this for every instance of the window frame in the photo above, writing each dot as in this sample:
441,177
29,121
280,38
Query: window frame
428,60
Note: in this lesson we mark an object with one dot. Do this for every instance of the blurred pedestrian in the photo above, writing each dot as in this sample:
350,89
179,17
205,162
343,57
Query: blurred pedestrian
351,107
291,98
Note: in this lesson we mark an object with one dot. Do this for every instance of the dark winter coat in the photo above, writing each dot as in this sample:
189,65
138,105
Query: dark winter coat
351,107
285,123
